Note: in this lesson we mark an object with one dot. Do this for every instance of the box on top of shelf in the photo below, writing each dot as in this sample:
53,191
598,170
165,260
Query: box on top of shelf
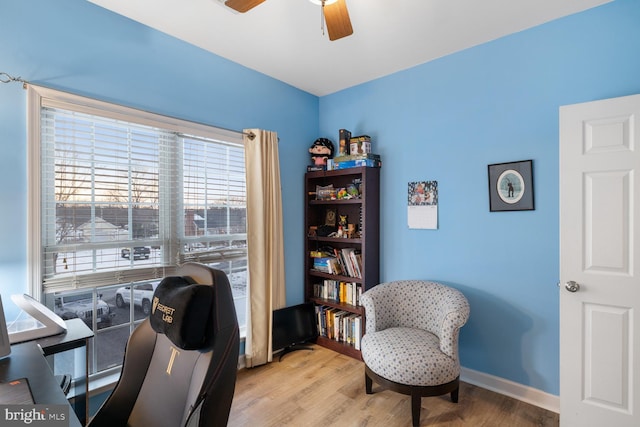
355,160
344,137
357,157
360,144
370,163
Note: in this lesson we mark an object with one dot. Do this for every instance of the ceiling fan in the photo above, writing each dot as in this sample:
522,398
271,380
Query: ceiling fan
335,12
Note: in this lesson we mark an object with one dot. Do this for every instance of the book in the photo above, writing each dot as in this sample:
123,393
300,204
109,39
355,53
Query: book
363,156
321,264
353,262
347,261
320,319
338,324
340,259
16,392
334,266
352,329
331,317
357,262
360,138
370,163
357,327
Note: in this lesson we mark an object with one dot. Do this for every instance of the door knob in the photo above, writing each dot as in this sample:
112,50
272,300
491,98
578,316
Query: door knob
572,286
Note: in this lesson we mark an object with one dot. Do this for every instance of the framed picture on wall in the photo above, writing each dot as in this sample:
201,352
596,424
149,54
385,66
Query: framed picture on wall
511,186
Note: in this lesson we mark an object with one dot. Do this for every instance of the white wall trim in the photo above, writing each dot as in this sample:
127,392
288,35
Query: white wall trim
242,362
509,388
34,193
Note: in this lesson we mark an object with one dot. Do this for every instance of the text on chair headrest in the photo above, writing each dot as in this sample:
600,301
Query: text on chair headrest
181,310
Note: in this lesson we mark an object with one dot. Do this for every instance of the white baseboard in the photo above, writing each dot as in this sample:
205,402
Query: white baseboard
509,388
242,362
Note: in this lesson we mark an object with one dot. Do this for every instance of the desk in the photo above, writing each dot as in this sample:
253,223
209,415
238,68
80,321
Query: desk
26,360
76,336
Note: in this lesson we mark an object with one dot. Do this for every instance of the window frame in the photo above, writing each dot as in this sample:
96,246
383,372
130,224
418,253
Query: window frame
39,97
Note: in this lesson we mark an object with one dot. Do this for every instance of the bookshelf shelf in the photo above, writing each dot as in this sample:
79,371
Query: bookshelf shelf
364,213
338,277
339,347
335,240
341,305
336,202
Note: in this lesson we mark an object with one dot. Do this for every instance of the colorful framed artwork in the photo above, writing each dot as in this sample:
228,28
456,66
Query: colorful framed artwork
511,186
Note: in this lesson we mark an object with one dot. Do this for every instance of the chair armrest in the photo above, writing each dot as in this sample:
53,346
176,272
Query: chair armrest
379,305
450,329
453,314
369,311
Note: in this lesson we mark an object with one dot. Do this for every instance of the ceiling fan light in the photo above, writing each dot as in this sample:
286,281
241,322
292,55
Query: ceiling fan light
319,2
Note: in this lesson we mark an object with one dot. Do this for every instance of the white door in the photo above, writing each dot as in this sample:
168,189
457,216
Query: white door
599,263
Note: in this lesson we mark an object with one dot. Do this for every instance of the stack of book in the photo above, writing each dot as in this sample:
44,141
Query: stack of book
356,160
350,260
329,265
339,325
339,291
346,261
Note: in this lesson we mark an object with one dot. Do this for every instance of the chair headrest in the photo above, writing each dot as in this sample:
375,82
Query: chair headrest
181,310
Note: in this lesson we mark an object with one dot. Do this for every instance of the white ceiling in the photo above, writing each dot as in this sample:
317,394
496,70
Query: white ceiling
283,38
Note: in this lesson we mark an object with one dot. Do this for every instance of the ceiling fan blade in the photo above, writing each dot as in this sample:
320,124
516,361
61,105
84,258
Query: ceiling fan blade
336,16
242,6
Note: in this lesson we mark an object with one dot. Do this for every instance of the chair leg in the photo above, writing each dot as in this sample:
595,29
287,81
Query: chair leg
368,384
454,395
416,401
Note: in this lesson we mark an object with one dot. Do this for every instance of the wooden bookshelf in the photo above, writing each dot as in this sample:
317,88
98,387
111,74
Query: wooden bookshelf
363,211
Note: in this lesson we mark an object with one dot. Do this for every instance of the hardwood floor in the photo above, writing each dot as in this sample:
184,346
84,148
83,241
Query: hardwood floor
324,388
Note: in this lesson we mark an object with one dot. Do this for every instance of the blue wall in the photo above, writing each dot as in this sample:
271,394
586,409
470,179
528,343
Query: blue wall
76,46
444,120
447,120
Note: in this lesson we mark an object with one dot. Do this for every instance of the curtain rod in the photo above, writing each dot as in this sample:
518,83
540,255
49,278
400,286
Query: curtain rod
7,78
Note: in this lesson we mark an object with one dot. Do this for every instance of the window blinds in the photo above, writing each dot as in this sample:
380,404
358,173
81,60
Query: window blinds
214,196
123,201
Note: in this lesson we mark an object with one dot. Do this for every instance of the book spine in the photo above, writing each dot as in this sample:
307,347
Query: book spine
370,163
364,156
357,328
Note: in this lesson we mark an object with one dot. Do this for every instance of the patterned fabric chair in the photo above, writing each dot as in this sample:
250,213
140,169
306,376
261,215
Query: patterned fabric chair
411,340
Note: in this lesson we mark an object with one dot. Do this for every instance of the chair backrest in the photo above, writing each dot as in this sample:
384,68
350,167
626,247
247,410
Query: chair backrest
431,306
171,376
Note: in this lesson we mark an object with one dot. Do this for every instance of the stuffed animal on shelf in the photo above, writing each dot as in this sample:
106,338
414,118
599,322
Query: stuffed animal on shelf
321,150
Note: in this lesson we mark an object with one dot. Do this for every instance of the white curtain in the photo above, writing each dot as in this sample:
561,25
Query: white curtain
265,242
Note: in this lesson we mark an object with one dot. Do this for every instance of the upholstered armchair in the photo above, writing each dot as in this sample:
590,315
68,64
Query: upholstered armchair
411,340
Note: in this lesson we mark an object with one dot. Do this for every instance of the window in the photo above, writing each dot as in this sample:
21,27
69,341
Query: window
119,198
